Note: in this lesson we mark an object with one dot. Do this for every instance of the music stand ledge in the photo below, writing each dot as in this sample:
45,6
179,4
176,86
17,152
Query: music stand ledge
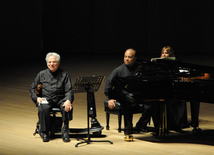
88,85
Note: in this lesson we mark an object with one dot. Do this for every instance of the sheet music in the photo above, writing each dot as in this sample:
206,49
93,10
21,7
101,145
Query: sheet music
44,101
166,58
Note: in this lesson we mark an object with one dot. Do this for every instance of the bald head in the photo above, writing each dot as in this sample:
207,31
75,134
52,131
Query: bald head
129,57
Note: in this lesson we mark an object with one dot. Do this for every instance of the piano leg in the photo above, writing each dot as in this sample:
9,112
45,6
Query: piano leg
195,107
164,126
157,118
160,119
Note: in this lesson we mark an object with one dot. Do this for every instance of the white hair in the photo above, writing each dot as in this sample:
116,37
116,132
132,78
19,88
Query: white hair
53,53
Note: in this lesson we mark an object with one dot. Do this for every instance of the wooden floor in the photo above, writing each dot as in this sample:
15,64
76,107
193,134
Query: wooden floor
18,115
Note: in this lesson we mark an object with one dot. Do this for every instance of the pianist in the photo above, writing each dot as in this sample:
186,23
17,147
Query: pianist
167,52
127,69
176,108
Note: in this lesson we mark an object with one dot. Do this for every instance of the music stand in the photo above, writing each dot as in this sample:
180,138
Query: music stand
89,85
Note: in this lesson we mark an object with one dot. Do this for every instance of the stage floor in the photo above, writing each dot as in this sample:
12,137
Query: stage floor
19,115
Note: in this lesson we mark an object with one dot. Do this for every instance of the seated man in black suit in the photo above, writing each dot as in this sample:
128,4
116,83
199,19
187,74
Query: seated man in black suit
128,69
56,91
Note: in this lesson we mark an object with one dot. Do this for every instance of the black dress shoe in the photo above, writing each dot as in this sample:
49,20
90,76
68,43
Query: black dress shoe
138,128
65,135
197,130
155,134
178,129
45,137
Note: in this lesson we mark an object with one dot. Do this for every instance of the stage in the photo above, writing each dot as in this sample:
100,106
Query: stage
19,115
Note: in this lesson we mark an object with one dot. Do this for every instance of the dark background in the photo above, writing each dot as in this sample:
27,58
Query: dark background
31,28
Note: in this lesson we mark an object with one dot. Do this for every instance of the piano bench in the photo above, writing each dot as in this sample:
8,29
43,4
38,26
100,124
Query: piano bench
118,111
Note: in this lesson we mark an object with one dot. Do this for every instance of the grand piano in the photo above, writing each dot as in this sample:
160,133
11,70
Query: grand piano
163,80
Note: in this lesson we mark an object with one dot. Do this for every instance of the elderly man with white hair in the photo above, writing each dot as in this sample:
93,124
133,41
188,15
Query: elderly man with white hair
56,91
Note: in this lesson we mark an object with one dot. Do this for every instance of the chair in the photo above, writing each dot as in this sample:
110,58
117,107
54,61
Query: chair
56,122
118,111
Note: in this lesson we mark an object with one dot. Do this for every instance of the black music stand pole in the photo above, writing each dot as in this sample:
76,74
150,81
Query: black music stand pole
89,85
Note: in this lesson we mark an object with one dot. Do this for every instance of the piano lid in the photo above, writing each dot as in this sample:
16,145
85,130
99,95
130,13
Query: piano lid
166,68
202,68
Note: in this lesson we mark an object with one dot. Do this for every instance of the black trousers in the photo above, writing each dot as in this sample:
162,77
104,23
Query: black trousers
126,107
45,118
127,103
147,114
178,109
147,110
176,112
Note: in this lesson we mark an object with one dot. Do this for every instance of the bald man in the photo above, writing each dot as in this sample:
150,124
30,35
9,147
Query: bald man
128,69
